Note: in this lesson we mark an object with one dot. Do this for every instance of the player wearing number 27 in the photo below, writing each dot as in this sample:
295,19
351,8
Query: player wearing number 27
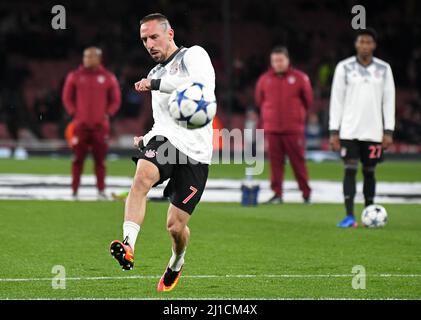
169,150
361,117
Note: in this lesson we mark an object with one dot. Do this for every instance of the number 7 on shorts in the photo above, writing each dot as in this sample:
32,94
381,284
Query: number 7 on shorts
194,190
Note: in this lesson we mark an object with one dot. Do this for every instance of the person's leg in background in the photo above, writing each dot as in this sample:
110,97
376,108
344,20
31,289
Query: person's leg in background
371,154
369,186
295,149
349,190
350,152
80,148
349,185
99,151
277,163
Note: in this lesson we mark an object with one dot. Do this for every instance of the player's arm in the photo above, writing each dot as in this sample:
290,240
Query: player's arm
337,100
199,67
388,105
137,141
114,96
307,92
69,94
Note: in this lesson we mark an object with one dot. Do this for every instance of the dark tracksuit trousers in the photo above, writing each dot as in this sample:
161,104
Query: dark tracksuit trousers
292,146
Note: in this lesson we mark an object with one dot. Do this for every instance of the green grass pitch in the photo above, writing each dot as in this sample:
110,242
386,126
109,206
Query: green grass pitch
333,170
279,251
268,252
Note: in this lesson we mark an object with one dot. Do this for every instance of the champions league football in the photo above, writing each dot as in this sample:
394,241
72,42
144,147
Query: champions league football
193,104
374,216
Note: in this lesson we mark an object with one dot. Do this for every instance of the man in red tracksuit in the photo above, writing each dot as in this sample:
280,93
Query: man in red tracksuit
91,94
284,95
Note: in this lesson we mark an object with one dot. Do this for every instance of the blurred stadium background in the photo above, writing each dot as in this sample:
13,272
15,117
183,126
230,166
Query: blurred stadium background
34,60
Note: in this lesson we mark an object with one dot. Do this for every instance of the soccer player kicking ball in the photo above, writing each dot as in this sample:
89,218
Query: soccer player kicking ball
362,117
168,151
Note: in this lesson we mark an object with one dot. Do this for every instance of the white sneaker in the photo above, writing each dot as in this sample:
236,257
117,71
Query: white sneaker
102,196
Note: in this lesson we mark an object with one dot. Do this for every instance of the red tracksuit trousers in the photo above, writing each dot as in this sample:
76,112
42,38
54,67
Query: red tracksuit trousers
85,140
293,146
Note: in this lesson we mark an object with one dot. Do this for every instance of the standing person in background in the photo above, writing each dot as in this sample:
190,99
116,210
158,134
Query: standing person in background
362,118
91,94
283,95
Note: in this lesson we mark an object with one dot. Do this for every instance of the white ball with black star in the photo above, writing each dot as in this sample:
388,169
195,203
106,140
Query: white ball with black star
374,216
192,105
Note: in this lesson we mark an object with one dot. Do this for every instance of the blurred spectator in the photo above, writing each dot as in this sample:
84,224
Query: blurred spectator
283,95
324,76
13,106
414,69
91,94
408,126
47,109
313,132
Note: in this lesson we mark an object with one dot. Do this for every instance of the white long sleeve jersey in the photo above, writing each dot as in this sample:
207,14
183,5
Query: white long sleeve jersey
362,100
185,65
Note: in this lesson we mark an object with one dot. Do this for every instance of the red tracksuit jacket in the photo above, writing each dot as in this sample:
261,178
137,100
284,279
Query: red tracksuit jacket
284,101
91,96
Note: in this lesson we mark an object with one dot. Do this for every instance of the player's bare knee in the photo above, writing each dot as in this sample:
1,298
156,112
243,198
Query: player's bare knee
143,181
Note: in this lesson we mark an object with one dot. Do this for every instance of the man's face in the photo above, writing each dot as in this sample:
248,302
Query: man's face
279,62
91,58
365,45
156,36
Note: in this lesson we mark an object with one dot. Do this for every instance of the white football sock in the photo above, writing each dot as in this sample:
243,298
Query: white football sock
130,230
176,261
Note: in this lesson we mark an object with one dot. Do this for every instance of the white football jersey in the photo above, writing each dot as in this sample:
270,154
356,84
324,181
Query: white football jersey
185,65
362,100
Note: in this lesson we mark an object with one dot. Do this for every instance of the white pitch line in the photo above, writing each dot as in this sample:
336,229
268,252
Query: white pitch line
213,298
382,275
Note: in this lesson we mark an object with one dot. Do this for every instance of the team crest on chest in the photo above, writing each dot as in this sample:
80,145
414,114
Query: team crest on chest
174,68
378,73
291,79
100,79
